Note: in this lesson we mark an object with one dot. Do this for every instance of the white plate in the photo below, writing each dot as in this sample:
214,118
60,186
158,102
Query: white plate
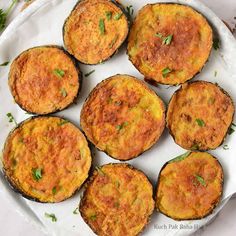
42,24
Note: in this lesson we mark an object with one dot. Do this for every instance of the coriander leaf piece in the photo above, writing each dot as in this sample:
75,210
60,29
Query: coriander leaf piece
4,14
93,217
108,15
63,92
89,73
118,16
166,71
4,63
76,211
200,180
11,118
200,122
121,126
52,216
180,157
216,43
167,40
54,190
59,73
102,26
37,173
130,10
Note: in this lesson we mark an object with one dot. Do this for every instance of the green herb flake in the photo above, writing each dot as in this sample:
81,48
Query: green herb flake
226,147
37,173
112,43
216,43
59,73
195,146
200,122
54,190
230,131
102,26
233,124
166,71
200,180
52,216
76,211
108,15
5,63
118,16
130,10
100,171
63,122
93,217
89,73
167,40
180,157
11,118
63,92
159,35
121,126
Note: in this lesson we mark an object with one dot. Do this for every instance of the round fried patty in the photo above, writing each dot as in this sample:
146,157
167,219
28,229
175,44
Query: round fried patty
46,159
199,115
189,186
169,43
123,117
117,201
44,79
95,30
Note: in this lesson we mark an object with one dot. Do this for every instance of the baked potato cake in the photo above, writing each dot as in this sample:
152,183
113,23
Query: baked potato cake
95,30
118,200
123,117
46,159
199,115
189,186
169,43
44,80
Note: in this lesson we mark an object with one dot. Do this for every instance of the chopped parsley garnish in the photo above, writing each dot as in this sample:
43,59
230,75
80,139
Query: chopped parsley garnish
130,10
76,211
4,63
11,118
59,73
63,122
216,43
102,26
4,14
200,122
52,216
165,72
119,127
89,73
180,157
54,190
93,217
37,173
118,16
108,15
100,171
63,92
200,180
226,147
167,40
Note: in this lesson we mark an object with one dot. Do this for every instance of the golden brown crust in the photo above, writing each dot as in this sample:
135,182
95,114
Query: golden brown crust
185,54
117,201
190,188
95,30
49,147
123,117
199,120
44,79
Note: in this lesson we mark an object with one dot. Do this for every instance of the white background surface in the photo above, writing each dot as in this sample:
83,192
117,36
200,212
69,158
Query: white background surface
12,224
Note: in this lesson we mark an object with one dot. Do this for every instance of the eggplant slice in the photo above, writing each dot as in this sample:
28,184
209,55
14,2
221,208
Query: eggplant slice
189,186
95,30
44,80
46,159
118,200
199,115
123,117
169,43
